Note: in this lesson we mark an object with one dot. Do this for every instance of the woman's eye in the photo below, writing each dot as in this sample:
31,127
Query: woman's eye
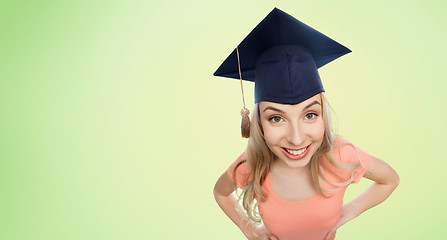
276,119
310,116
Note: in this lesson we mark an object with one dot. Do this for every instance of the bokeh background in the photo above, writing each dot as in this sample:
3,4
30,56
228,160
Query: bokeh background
113,127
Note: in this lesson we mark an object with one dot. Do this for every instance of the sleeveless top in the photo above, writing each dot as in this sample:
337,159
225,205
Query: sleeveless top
313,218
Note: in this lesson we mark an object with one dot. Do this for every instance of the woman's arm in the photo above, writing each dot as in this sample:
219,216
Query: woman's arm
385,181
222,193
226,201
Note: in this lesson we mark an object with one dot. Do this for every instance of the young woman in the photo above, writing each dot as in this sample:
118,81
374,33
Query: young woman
294,170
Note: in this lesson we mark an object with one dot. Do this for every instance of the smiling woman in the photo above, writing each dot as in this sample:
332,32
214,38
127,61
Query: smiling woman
294,167
293,132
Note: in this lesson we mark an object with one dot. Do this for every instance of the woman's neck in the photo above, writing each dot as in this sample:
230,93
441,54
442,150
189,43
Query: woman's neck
282,168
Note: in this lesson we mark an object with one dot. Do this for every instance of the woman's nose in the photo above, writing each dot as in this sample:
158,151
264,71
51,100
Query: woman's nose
295,136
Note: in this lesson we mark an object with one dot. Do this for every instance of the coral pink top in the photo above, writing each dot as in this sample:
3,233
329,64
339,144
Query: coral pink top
313,218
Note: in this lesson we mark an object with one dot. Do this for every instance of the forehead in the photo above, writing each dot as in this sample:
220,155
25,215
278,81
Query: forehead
288,107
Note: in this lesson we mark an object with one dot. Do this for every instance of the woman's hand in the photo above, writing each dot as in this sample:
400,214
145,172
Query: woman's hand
349,212
253,232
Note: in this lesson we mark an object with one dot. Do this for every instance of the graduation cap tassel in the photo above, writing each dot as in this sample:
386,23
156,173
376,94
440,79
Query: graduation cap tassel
245,124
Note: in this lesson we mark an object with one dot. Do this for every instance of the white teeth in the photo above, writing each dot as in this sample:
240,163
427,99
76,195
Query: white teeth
296,152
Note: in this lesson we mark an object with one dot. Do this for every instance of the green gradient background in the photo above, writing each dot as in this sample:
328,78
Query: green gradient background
106,105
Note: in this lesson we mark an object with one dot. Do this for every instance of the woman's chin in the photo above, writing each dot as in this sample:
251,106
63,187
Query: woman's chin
298,163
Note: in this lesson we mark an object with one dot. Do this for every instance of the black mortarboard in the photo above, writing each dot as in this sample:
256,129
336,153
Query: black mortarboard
282,55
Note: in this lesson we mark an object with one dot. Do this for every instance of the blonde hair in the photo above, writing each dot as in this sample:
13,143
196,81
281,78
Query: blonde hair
259,157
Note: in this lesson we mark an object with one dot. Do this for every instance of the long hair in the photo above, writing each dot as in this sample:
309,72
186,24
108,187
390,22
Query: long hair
259,156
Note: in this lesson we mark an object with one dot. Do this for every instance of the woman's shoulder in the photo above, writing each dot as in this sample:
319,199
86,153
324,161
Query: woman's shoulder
346,152
240,162
350,160
240,167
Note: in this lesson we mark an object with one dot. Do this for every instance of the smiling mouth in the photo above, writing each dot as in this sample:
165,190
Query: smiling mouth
296,151
296,154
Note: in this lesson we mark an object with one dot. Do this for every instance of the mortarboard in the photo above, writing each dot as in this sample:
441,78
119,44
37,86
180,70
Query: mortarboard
282,55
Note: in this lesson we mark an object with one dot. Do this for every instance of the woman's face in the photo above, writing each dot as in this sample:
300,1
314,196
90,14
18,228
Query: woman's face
293,132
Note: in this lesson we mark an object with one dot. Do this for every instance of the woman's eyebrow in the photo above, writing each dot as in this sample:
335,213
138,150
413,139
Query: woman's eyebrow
311,104
281,111
274,109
